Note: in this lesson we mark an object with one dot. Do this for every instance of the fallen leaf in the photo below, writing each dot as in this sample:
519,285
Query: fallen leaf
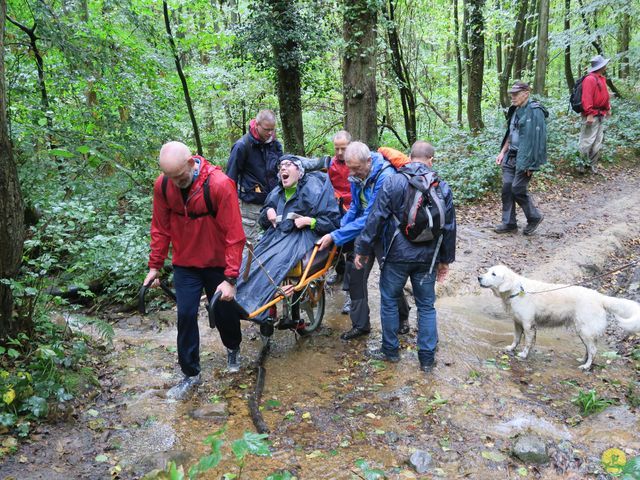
102,458
306,415
494,456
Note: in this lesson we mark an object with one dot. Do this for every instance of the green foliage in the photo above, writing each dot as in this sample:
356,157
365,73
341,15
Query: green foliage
250,444
589,402
38,371
368,472
631,469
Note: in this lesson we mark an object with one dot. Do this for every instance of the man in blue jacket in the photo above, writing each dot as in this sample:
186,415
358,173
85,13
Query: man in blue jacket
401,259
253,166
368,171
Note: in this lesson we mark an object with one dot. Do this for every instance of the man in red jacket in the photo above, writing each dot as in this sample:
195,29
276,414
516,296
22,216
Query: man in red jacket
196,211
595,106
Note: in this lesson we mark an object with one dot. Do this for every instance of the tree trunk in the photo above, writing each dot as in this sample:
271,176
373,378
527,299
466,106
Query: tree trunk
407,95
183,79
456,27
285,49
568,72
11,210
475,30
42,86
624,38
522,50
542,53
512,52
359,70
499,62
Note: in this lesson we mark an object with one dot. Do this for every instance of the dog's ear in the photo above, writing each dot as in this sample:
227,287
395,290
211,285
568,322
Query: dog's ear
508,279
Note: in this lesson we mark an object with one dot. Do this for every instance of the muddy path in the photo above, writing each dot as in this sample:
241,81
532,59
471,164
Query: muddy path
327,406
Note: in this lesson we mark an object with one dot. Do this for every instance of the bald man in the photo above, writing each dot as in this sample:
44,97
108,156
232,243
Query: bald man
195,210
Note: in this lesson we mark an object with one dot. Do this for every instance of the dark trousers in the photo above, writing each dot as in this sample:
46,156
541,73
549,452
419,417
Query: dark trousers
514,190
359,295
189,282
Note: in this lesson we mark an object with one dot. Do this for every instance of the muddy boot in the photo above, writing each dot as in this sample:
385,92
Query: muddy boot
182,389
403,329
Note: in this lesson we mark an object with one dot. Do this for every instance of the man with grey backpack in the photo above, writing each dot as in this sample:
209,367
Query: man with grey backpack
412,230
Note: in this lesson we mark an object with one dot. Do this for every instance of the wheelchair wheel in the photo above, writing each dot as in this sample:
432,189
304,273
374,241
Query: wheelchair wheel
312,307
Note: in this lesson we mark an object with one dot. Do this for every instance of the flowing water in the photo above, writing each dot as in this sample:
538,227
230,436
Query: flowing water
328,406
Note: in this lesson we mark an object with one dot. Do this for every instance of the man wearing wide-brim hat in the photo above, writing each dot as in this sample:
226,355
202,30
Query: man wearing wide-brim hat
595,107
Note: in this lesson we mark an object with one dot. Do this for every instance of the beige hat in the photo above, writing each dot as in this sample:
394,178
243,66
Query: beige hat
597,63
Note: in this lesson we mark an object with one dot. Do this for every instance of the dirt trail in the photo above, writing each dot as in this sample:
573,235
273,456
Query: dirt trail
328,406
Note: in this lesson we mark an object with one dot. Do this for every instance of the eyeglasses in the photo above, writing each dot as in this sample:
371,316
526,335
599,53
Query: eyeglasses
287,164
272,129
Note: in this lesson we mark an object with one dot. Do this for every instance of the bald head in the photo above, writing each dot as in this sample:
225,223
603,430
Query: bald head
423,152
341,141
177,163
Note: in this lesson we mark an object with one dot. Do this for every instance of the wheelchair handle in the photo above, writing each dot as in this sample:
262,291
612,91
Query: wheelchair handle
143,292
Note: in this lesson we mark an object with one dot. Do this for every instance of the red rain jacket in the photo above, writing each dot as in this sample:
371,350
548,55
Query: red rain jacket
204,241
595,96
339,176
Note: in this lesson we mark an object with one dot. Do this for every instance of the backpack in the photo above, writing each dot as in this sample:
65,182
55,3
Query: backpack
206,192
424,216
575,99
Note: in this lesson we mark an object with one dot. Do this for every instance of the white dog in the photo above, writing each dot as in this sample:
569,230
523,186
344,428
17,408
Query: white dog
534,303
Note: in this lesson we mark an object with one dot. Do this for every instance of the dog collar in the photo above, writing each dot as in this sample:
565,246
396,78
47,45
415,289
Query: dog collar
519,293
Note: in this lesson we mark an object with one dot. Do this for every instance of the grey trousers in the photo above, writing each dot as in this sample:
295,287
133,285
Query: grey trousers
359,295
591,138
514,190
250,215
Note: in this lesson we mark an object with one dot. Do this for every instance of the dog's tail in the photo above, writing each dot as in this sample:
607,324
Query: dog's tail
626,311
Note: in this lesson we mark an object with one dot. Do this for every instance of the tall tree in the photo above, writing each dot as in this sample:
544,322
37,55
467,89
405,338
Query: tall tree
568,72
11,209
403,78
286,51
512,50
624,39
542,46
456,29
475,29
183,78
359,69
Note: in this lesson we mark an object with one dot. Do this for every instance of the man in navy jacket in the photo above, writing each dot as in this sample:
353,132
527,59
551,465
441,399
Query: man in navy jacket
402,259
253,165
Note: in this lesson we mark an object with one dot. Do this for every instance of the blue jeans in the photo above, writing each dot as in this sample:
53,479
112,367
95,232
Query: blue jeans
392,280
189,282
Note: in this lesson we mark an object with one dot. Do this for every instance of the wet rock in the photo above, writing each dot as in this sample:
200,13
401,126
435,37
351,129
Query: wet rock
531,449
212,410
391,437
421,461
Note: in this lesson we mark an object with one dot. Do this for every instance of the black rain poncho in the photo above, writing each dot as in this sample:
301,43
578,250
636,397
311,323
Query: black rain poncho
282,247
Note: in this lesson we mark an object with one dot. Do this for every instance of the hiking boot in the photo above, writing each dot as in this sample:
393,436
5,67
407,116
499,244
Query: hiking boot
180,391
334,279
354,333
403,329
380,355
427,367
532,225
505,228
346,308
233,360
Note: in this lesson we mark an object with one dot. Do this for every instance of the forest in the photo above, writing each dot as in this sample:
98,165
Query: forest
90,90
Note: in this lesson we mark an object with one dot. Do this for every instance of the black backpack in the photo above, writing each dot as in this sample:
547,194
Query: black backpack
575,99
424,215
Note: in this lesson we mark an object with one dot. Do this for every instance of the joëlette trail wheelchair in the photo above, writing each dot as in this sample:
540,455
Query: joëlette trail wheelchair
301,311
